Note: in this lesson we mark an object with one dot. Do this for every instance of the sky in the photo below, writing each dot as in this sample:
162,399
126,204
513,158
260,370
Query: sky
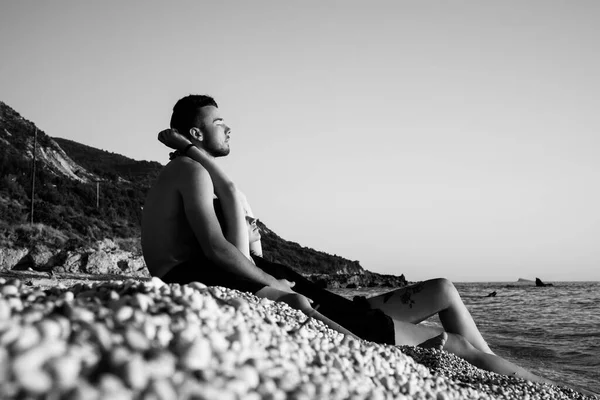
455,139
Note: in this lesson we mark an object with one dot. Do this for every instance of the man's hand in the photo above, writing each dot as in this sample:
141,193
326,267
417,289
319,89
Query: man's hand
173,139
283,285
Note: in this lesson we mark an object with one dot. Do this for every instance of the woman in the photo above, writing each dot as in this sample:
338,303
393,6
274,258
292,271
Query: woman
400,310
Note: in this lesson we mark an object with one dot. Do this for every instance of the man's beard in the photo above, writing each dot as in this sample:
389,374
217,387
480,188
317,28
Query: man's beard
218,151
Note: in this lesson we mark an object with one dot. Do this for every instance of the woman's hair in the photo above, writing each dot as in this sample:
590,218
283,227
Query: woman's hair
186,112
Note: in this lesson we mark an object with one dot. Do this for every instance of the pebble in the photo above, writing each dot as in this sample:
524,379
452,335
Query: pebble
161,365
66,370
5,311
9,290
123,313
135,374
28,337
162,389
49,329
127,339
136,340
198,355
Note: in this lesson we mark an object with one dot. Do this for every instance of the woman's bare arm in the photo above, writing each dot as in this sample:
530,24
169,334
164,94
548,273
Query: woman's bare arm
229,196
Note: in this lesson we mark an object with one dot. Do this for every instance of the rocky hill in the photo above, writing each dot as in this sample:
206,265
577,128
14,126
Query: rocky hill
65,186
74,219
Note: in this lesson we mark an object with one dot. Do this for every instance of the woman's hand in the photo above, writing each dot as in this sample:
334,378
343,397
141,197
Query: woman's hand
173,139
284,285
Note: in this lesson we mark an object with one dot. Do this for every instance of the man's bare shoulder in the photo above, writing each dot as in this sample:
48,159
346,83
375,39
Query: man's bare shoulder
188,178
180,176
185,163
183,169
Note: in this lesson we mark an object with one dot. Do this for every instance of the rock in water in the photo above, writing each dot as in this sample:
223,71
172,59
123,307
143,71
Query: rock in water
539,283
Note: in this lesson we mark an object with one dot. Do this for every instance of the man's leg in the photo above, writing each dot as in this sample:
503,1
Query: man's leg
418,302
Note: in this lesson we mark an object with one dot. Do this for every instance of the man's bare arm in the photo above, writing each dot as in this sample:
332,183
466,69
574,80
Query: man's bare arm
196,189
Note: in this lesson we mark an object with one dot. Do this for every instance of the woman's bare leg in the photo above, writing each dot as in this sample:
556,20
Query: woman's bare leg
410,334
460,346
418,302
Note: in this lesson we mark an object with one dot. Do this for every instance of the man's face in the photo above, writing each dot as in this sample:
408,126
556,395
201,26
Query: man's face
215,132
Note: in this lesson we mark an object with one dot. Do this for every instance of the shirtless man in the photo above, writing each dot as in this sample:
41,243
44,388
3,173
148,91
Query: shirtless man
180,230
179,222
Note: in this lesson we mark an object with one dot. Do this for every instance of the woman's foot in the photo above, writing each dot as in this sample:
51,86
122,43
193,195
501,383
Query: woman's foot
438,342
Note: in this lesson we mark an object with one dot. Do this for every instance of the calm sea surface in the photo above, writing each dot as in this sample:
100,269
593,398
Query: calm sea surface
552,331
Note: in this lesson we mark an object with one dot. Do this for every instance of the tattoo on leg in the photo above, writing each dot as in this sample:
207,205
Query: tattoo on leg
414,289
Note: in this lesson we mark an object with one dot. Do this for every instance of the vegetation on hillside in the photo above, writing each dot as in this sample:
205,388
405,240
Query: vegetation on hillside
303,259
27,235
66,204
110,166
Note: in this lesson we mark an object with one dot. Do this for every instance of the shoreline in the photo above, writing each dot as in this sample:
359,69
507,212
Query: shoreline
114,337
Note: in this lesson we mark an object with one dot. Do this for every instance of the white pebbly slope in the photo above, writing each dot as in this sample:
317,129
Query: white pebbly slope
122,340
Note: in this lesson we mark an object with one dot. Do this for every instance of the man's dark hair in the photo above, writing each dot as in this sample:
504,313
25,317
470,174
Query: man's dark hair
186,110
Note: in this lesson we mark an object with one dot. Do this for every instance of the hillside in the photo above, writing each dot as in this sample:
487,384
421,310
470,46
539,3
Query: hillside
65,197
111,166
65,191
304,259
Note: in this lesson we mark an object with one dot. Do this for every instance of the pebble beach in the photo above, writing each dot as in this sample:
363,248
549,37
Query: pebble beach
127,339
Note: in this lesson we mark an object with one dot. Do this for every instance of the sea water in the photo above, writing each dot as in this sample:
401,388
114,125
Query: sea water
551,331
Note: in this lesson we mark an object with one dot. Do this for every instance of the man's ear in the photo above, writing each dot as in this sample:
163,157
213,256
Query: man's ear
196,133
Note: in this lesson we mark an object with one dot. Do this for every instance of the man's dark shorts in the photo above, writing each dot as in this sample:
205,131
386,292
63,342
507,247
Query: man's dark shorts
357,316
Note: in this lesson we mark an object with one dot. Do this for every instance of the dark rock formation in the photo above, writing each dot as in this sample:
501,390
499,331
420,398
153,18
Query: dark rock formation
539,283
